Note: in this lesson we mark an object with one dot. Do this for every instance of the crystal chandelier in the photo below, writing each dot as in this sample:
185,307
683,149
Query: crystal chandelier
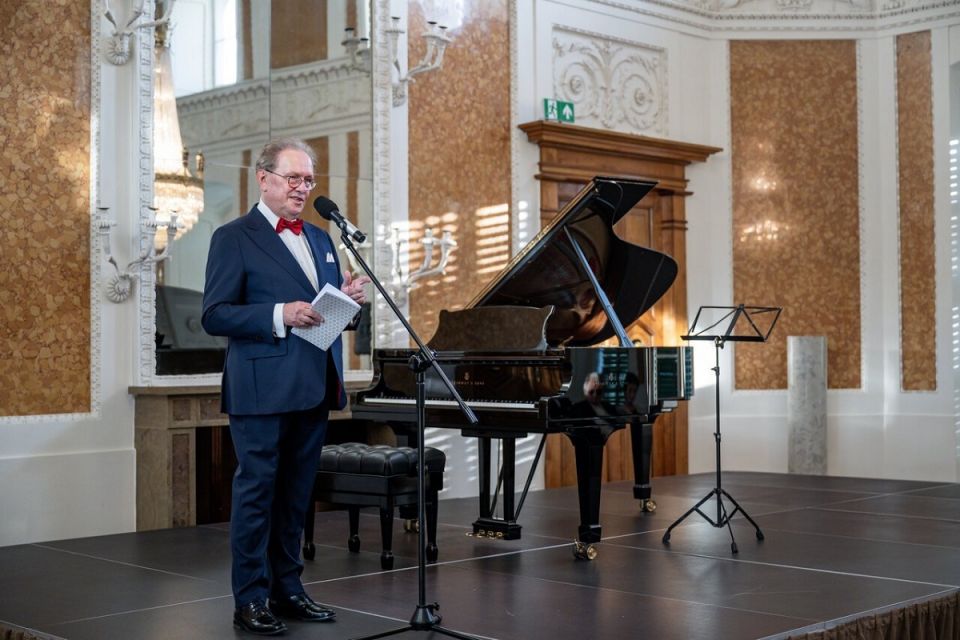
177,192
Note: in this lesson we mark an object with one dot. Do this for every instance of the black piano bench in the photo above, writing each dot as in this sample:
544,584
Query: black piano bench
355,475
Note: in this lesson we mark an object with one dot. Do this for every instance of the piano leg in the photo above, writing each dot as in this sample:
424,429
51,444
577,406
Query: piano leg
484,450
588,447
509,467
487,525
641,442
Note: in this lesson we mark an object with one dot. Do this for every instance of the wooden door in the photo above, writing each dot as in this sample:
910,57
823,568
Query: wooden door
569,157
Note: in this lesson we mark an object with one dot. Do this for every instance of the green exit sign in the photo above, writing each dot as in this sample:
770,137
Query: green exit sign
557,110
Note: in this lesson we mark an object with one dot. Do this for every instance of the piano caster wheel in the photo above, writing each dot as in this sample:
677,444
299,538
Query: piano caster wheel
648,505
583,551
433,552
411,526
386,561
353,543
309,551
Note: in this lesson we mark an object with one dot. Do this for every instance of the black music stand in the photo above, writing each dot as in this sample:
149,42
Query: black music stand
425,617
721,325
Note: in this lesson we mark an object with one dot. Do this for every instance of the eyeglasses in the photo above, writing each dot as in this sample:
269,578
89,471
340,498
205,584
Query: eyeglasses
295,181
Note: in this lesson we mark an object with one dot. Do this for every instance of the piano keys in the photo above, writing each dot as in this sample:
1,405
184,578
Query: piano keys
525,355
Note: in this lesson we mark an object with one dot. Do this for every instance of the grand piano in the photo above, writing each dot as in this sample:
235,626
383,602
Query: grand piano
523,354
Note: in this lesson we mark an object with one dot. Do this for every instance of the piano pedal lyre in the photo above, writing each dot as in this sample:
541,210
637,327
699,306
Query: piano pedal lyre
483,533
584,551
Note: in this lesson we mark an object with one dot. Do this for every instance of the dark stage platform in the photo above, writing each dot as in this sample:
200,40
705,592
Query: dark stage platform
836,549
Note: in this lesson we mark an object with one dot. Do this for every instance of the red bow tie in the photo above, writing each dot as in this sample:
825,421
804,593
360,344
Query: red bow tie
294,225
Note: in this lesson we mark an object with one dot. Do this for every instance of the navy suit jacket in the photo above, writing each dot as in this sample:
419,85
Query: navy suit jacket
249,270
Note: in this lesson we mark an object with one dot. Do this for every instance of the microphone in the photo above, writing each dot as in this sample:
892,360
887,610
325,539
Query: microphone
327,209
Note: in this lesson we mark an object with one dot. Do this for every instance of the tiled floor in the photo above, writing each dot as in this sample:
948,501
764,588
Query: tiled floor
834,548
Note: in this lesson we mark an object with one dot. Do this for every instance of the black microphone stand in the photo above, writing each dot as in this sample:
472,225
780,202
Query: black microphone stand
425,617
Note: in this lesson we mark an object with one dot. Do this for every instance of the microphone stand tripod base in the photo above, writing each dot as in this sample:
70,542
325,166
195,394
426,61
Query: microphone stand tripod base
424,617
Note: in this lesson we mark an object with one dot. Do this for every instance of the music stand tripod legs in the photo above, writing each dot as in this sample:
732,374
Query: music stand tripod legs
723,516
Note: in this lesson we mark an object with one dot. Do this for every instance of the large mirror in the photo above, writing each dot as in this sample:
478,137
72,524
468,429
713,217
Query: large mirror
245,71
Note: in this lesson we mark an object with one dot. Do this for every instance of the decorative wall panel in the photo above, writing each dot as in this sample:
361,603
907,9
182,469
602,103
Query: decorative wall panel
796,218
459,156
45,175
918,334
612,83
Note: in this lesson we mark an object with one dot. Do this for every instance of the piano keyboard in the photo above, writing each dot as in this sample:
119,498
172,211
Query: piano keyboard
473,404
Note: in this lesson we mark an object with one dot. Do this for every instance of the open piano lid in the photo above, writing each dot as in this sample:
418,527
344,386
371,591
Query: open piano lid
548,272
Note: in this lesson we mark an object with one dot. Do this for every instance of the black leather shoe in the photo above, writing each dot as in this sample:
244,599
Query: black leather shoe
257,618
301,607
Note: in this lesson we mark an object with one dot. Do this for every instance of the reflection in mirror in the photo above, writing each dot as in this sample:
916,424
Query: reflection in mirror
246,71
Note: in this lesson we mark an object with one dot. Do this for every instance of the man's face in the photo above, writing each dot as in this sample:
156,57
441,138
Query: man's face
285,201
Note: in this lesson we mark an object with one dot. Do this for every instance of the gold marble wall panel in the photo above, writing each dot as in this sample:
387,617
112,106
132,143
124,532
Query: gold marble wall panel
918,349
321,146
298,32
245,174
459,155
796,232
353,173
246,40
45,98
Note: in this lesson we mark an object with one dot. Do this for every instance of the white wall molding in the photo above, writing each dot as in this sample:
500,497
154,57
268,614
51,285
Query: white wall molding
741,17
146,293
329,96
385,206
862,213
614,83
516,135
226,118
96,240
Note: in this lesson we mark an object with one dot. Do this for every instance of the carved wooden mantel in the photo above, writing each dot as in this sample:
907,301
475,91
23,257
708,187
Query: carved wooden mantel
570,156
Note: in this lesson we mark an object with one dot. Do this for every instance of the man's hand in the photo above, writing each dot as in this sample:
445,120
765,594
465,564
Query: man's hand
353,287
300,314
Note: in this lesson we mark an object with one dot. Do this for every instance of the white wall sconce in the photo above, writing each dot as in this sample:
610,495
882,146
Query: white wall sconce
359,51
401,280
436,40
120,285
117,46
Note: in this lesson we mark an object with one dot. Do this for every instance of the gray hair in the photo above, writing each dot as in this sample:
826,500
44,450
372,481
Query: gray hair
268,155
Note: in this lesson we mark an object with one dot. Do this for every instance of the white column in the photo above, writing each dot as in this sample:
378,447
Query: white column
807,404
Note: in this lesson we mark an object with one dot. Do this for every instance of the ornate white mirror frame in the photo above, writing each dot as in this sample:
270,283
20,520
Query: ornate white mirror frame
146,292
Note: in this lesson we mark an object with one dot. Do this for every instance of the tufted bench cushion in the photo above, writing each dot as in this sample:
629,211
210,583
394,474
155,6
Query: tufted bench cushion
378,459
355,475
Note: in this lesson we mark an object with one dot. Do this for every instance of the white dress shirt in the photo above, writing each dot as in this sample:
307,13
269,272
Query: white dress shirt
297,244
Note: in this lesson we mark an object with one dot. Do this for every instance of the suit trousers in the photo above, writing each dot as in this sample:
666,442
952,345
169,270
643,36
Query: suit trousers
278,456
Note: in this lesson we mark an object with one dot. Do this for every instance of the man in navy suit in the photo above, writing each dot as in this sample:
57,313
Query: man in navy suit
263,269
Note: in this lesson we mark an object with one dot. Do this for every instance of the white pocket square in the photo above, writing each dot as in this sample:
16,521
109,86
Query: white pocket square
330,257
